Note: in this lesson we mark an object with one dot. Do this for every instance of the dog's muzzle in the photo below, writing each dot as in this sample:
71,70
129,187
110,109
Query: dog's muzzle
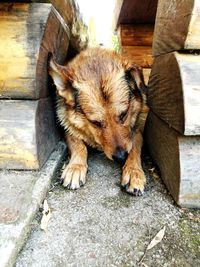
120,155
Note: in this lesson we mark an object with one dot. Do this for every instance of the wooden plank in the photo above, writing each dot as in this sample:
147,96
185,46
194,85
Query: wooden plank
174,91
27,133
74,19
137,12
27,1
177,157
177,26
140,55
116,12
30,31
136,34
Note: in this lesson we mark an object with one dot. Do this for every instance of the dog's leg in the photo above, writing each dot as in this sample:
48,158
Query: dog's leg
133,177
74,174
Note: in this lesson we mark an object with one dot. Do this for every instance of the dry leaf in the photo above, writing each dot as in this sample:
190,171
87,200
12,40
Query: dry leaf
46,216
157,239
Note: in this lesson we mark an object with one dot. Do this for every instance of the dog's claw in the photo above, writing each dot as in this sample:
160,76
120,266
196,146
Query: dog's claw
74,176
137,192
133,182
61,181
81,183
68,186
126,186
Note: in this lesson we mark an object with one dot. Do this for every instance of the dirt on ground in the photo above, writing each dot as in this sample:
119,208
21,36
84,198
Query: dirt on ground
100,225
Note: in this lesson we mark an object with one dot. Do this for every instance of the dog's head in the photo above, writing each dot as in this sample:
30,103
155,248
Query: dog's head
102,95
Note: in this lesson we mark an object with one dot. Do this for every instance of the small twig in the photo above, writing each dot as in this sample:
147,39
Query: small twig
142,258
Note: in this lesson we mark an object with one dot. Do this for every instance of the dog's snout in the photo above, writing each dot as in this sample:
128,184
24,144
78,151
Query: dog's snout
120,155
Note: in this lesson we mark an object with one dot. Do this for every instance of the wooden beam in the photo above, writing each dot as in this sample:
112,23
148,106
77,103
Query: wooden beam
140,55
135,11
136,34
27,1
174,91
177,26
177,157
116,12
28,33
74,19
27,132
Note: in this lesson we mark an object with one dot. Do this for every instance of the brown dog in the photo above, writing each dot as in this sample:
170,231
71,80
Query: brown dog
100,97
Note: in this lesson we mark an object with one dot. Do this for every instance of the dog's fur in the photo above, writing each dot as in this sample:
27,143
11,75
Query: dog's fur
100,97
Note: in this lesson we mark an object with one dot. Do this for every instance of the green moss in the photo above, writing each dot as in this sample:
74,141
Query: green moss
190,233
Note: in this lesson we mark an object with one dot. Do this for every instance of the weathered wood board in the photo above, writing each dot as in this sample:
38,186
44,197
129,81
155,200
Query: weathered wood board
177,26
141,55
136,34
74,19
28,33
174,91
177,157
27,133
134,11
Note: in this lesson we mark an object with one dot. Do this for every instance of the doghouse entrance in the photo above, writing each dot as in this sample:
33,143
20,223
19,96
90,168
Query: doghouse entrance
173,93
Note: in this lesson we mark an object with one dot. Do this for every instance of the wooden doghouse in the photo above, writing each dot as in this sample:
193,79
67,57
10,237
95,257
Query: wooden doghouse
134,21
29,32
172,129
173,125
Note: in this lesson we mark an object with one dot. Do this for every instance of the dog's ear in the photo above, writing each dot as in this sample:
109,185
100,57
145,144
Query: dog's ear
134,75
58,74
62,78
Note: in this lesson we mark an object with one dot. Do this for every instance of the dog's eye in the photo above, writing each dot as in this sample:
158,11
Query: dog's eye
122,116
97,123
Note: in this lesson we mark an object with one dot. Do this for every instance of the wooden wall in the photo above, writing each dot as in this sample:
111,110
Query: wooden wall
164,38
29,33
173,125
134,21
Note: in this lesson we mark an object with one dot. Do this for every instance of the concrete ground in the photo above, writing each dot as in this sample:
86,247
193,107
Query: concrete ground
99,225
21,193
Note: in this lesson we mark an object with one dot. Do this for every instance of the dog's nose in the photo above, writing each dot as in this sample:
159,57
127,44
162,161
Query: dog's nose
120,155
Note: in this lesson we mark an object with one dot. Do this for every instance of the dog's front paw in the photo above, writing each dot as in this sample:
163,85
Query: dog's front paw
133,181
74,176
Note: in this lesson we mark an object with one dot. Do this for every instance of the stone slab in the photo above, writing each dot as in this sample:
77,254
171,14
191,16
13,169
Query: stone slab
21,194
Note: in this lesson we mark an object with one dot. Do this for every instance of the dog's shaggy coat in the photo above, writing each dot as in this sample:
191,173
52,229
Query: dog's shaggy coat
100,97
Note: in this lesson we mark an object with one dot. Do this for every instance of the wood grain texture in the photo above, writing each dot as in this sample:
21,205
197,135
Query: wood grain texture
177,26
74,19
136,34
177,157
140,55
27,133
137,12
30,32
174,91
